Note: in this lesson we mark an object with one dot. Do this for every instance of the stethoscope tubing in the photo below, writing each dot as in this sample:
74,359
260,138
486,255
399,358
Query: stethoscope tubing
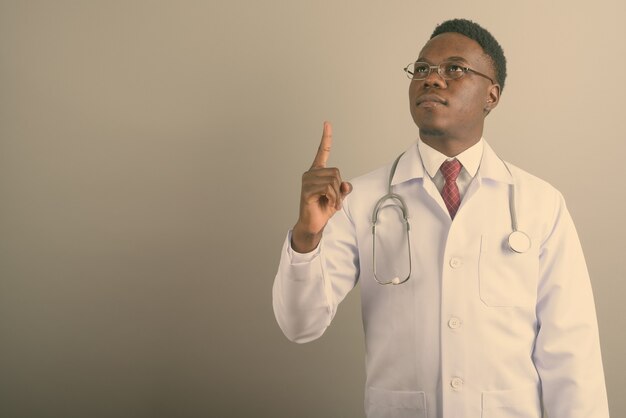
518,241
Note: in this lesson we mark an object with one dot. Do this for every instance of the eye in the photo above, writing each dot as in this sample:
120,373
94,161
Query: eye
453,69
421,68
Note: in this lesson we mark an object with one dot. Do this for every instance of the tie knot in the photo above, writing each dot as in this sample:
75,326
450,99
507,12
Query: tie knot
450,170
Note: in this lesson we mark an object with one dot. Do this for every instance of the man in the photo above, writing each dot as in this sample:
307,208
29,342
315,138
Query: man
460,320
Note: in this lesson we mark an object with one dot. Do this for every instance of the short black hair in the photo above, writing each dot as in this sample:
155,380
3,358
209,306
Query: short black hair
488,43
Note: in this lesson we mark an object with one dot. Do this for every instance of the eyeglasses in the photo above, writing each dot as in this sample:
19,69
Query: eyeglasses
448,70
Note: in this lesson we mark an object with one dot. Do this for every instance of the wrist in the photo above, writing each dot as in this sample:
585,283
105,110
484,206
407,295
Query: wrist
303,241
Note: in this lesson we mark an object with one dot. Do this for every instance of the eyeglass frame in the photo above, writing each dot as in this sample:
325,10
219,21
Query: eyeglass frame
465,69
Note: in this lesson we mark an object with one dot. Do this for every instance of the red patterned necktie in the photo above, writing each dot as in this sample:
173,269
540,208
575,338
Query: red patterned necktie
450,192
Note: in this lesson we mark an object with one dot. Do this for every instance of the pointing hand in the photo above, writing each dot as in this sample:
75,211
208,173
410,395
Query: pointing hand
321,197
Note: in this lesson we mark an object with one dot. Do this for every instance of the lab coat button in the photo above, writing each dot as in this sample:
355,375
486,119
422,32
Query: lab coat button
455,263
454,323
456,383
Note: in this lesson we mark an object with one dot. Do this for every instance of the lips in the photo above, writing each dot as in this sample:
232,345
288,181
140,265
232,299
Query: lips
430,99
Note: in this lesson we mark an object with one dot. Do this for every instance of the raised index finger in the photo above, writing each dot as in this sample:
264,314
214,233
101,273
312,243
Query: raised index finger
324,150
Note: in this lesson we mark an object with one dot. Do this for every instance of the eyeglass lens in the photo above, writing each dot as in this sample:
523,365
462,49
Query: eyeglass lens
448,70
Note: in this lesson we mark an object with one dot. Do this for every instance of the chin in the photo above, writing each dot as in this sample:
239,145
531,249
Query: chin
429,128
429,124
432,132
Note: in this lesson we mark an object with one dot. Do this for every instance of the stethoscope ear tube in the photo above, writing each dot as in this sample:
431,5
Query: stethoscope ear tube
399,202
518,241
396,280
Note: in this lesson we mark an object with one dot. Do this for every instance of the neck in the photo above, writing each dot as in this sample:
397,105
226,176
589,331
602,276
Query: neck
448,146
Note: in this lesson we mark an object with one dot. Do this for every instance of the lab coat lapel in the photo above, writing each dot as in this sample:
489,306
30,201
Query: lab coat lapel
431,190
491,170
411,167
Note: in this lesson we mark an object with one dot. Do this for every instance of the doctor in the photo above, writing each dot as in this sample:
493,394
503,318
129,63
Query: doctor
463,326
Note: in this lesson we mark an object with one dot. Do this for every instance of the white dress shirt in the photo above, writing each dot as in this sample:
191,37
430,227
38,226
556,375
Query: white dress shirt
469,159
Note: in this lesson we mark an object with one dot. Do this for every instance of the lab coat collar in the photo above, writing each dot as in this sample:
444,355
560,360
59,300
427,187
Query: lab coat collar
411,167
492,167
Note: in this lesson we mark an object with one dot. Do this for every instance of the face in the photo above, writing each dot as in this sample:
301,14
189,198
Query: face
453,109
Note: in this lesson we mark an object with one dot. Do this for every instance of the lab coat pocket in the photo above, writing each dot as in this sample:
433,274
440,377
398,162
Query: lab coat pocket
381,403
507,278
516,403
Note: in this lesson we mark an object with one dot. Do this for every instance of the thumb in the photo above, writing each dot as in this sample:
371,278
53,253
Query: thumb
345,188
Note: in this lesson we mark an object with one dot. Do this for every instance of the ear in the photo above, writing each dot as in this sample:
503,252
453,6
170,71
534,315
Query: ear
493,98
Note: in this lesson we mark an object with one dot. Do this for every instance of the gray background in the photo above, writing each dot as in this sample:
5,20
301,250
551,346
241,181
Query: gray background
150,160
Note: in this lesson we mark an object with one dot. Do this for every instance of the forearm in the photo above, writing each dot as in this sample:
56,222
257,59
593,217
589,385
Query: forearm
300,298
309,287
567,350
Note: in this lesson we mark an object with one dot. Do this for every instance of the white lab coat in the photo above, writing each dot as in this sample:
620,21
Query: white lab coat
478,330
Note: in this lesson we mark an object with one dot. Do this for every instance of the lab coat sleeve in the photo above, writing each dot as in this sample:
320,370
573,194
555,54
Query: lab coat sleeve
308,288
567,349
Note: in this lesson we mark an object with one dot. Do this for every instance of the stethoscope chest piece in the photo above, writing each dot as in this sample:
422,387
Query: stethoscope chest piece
519,242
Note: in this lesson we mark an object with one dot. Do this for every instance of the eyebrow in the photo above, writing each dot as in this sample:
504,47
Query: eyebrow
453,58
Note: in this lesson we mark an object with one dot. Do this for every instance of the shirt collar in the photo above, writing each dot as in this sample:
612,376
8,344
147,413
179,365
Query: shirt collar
482,161
469,159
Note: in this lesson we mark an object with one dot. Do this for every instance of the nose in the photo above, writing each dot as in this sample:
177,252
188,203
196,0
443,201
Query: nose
434,79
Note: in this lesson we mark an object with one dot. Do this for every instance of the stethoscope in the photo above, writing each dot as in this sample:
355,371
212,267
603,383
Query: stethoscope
518,241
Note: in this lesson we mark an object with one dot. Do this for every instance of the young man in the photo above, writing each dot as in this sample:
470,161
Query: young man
483,308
